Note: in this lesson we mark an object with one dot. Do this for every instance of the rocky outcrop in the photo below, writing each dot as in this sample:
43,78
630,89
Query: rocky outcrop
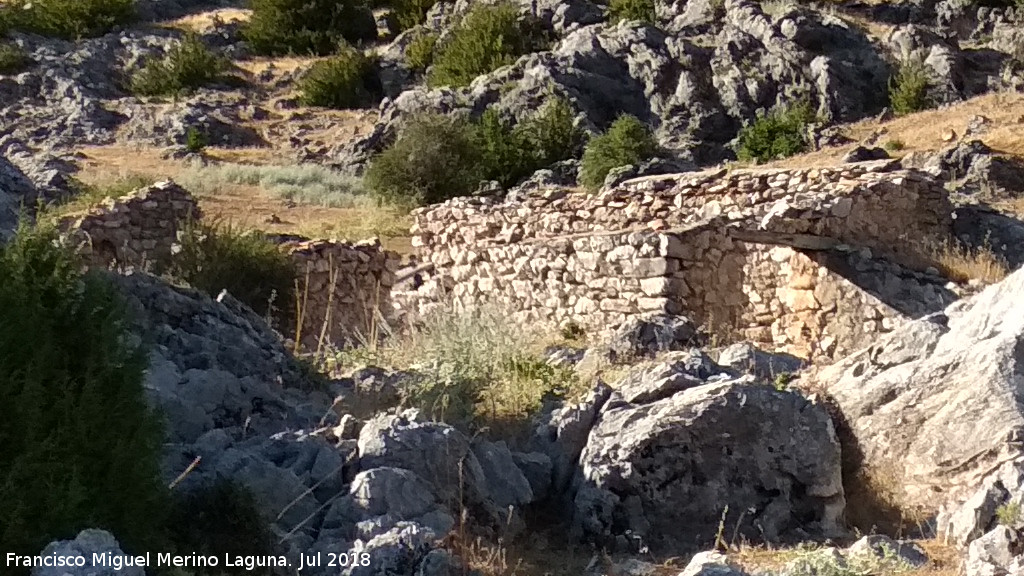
670,456
904,398
87,545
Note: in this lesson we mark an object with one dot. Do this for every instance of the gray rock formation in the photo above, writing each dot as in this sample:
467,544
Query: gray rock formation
904,399
1001,551
664,460
82,548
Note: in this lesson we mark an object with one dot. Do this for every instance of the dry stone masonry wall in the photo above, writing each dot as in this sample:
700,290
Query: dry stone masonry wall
134,230
344,288
792,259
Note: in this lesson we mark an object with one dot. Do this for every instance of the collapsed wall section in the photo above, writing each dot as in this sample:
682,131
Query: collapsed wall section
136,230
343,289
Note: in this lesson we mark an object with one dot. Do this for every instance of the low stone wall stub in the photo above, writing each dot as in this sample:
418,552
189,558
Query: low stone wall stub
137,230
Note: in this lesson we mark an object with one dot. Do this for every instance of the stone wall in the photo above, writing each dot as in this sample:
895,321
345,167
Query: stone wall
136,230
792,259
344,290
344,287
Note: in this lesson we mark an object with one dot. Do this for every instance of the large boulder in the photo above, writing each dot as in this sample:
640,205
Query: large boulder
671,456
935,404
449,463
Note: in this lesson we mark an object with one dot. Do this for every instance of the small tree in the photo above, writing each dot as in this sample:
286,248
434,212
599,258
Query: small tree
317,27
187,66
778,134
68,19
348,80
79,447
631,10
908,90
435,157
627,141
487,38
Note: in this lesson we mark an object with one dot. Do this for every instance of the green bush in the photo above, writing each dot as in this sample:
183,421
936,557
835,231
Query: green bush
554,135
479,368
632,10
419,54
13,60
187,66
908,90
68,19
778,134
195,140
218,519
435,157
627,141
511,153
79,448
348,80
406,14
487,38
218,256
317,27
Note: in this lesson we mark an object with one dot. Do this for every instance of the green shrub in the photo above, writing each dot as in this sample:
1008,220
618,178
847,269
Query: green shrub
895,145
553,133
187,66
627,141
437,157
69,19
419,54
434,158
218,519
505,149
487,38
1009,514
633,10
778,134
217,256
908,90
511,153
79,447
195,140
13,60
348,80
479,367
406,14
318,27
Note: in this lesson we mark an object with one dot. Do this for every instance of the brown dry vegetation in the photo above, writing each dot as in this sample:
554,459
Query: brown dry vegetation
250,206
205,21
922,132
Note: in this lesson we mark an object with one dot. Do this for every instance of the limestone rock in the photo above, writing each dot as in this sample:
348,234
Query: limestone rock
87,543
907,398
670,463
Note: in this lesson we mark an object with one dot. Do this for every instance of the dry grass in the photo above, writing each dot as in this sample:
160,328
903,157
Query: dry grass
943,560
205,21
962,264
923,131
251,205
